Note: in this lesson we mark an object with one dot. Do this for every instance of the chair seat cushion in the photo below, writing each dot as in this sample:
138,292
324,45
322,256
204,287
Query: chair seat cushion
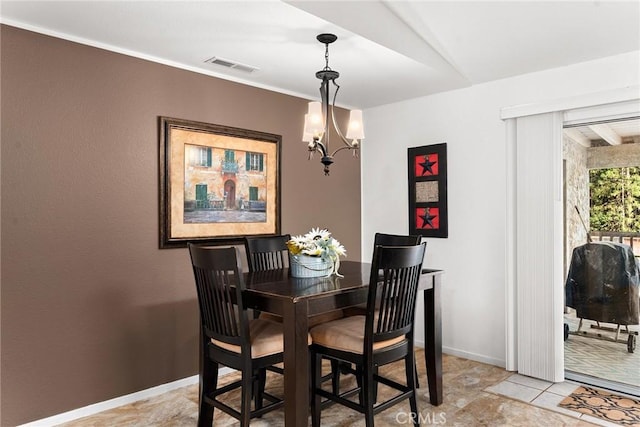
346,334
266,338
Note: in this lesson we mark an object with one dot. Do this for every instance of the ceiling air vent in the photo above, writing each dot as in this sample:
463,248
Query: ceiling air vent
231,64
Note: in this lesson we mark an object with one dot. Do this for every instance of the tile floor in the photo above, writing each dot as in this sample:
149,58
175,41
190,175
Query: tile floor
602,359
542,394
475,394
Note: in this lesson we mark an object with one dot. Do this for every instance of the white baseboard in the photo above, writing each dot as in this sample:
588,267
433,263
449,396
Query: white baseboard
474,356
467,355
118,401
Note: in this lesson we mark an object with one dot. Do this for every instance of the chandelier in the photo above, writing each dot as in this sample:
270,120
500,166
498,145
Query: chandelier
320,114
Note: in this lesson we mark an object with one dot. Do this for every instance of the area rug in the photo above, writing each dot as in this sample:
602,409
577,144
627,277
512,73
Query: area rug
607,406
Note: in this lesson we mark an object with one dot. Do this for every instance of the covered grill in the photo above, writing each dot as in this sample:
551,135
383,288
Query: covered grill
603,285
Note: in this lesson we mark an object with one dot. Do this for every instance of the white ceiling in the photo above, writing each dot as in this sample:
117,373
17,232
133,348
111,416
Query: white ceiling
387,50
613,132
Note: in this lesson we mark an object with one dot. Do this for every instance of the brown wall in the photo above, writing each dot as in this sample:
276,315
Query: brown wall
91,308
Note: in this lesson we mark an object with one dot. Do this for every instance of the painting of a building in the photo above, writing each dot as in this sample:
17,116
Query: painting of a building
224,185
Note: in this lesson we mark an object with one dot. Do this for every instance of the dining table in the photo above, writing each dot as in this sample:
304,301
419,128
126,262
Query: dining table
297,299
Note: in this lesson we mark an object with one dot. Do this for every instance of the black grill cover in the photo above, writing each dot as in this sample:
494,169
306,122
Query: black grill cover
603,282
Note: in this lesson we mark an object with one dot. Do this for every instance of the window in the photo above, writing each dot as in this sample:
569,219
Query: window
255,162
200,156
201,196
229,156
201,192
253,193
229,165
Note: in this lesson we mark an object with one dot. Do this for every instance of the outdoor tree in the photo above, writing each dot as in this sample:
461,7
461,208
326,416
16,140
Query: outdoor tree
615,199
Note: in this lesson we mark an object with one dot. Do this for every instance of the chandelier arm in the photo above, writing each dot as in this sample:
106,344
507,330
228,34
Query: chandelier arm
320,147
324,97
333,118
345,147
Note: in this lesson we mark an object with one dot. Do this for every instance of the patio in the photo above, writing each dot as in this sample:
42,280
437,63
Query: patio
602,359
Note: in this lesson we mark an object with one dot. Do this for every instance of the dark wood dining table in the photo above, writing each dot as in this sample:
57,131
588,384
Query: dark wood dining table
296,299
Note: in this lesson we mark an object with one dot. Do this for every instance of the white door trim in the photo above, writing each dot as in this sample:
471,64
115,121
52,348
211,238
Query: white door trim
618,103
620,95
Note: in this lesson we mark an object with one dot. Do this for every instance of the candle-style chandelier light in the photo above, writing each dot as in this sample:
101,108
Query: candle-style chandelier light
320,114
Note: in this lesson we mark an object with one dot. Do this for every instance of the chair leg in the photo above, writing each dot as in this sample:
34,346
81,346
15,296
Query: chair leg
261,380
335,376
247,394
367,392
208,383
375,385
359,376
316,381
412,379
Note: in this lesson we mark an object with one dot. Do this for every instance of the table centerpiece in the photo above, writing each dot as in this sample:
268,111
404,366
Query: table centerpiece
315,254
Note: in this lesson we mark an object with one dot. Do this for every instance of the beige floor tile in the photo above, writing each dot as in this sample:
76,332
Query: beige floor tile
515,391
465,404
564,388
529,381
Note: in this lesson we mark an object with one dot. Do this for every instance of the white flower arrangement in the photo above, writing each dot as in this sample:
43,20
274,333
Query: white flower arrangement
318,243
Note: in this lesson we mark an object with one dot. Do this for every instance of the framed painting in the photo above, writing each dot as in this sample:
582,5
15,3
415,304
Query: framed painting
217,183
427,167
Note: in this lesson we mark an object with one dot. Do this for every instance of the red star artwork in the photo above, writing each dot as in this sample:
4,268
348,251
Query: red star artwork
426,165
428,218
427,179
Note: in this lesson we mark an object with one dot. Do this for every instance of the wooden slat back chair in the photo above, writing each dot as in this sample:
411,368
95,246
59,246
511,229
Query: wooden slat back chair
267,253
229,338
270,253
384,335
382,239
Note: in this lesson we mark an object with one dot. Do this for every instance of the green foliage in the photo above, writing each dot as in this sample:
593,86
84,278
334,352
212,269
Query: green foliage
615,199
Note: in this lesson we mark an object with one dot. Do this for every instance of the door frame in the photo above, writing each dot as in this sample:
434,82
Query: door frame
617,103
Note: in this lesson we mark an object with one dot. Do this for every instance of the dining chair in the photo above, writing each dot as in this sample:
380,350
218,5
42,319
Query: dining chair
382,336
229,338
267,253
380,239
270,253
384,239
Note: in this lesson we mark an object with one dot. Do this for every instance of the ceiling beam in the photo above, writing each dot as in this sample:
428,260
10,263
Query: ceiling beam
387,24
607,133
577,136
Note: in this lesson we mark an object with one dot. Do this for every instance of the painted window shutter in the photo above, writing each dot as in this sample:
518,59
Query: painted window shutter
201,192
229,155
